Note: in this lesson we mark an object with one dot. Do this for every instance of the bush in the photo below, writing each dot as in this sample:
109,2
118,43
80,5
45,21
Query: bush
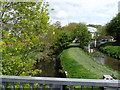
113,51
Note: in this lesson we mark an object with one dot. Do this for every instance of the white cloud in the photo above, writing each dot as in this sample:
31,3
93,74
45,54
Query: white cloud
61,14
89,11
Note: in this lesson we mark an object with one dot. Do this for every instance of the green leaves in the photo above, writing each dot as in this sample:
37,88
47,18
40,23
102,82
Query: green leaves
22,25
113,27
82,34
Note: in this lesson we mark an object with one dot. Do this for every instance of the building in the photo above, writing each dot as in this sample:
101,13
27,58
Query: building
104,38
92,31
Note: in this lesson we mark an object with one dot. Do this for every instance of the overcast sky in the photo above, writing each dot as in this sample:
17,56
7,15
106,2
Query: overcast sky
87,11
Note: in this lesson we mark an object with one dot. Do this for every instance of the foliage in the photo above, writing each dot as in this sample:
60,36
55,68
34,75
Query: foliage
63,41
95,26
82,34
79,64
102,30
70,28
58,39
113,27
111,49
79,31
57,25
23,25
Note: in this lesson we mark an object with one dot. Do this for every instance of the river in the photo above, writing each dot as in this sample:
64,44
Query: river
50,68
106,60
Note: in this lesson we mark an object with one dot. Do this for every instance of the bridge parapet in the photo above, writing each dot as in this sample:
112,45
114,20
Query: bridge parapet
58,83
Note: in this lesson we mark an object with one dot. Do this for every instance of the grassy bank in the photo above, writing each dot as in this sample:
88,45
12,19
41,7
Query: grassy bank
79,64
111,48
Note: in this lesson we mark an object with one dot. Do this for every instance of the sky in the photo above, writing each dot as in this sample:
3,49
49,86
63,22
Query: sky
97,12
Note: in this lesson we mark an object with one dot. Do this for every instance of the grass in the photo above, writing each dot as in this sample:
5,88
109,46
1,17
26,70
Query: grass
111,48
74,45
79,64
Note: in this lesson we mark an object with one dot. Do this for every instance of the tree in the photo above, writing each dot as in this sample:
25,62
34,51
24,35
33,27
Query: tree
101,30
62,41
82,34
23,26
93,25
113,27
70,29
57,40
58,25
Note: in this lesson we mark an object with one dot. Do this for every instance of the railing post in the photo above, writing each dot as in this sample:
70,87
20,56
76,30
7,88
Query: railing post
37,86
52,86
12,86
93,87
71,87
21,86
82,87
31,86
61,87
3,85
41,86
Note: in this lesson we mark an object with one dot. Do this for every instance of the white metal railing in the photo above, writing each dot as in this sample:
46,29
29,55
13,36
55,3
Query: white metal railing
55,82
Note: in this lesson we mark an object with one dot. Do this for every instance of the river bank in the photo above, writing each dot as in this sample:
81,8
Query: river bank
111,49
49,67
104,59
79,64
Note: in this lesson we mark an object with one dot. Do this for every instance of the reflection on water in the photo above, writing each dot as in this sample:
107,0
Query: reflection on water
50,68
106,60
100,59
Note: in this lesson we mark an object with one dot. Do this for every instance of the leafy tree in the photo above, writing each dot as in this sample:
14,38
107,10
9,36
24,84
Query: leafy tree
70,29
23,26
58,39
57,25
62,41
113,27
82,34
93,25
101,30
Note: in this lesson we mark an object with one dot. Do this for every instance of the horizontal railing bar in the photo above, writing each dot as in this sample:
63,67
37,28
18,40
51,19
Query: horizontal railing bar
61,81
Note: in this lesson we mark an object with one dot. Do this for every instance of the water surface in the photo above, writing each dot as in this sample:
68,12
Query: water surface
106,60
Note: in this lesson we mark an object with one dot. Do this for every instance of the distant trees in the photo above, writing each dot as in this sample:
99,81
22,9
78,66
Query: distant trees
79,31
93,25
57,24
62,41
102,30
113,27
70,28
57,39
82,34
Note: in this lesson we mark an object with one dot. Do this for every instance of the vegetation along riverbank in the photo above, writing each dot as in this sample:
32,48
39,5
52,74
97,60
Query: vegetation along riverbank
79,64
111,48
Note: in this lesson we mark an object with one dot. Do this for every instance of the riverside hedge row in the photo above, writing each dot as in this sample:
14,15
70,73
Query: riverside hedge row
111,49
